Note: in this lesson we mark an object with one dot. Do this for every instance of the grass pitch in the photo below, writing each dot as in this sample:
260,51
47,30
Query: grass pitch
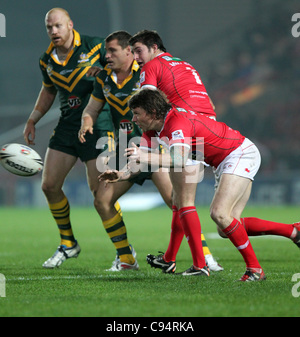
82,287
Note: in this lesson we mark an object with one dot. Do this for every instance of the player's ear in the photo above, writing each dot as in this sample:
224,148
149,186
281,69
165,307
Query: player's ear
155,47
70,24
128,49
154,114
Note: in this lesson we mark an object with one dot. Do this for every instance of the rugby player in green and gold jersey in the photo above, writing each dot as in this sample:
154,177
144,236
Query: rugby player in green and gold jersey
64,66
115,84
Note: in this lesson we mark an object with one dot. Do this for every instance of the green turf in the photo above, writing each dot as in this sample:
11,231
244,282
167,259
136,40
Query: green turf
81,287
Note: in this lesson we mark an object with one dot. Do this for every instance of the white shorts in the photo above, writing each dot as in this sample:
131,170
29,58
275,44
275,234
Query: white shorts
243,161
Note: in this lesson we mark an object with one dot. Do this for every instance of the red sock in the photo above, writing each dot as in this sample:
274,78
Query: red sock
177,235
238,236
255,226
192,230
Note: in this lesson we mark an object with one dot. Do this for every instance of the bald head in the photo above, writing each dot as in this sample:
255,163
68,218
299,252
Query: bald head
59,27
59,11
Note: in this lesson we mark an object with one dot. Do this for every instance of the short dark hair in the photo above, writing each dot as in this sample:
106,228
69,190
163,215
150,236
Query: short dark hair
148,38
152,101
122,36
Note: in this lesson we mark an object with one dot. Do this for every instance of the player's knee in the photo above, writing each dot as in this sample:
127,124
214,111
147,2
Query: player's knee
218,215
103,205
49,187
220,232
98,204
214,214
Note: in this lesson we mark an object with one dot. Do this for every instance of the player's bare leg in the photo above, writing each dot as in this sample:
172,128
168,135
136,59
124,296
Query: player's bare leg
57,166
161,180
230,198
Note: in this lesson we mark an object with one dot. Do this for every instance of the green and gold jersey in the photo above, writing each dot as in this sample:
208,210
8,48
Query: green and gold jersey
69,79
117,96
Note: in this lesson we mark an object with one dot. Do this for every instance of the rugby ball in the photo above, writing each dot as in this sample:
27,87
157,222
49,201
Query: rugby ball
20,159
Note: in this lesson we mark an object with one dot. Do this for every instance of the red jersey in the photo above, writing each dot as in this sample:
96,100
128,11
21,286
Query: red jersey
215,139
179,81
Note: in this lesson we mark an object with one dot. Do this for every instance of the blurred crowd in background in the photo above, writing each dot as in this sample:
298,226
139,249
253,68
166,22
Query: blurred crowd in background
256,88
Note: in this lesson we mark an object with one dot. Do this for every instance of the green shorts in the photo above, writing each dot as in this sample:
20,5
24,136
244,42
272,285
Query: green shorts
67,141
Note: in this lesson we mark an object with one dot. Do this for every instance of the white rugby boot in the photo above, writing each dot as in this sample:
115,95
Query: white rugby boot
62,254
212,264
117,265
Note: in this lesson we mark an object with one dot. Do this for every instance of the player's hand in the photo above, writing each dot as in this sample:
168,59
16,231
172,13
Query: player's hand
110,176
93,71
82,132
29,133
136,156
133,153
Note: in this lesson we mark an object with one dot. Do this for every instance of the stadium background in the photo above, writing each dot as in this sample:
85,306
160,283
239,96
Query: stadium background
245,54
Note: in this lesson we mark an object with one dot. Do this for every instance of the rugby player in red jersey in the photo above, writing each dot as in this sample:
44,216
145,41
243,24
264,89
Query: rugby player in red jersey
178,79
236,161
183,86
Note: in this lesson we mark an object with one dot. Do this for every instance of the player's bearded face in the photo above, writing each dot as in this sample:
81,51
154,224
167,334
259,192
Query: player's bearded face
59,29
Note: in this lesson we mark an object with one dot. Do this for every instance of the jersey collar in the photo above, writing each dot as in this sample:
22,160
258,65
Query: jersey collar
134,67
76,43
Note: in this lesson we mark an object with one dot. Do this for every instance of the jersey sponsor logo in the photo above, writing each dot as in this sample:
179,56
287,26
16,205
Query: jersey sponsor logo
168,58
66,71
83,58
181,110
106,90
74,102
142,77
137,86
83,61
126,126
49,69
173,64
178,134
121,94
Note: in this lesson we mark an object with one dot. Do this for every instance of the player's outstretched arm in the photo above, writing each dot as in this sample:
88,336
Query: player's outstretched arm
43,104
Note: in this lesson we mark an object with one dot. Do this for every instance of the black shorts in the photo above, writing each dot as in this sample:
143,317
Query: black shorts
67,141
141,177
118,161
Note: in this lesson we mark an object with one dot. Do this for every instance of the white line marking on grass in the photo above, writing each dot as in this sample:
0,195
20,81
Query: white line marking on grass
73,277
51,278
